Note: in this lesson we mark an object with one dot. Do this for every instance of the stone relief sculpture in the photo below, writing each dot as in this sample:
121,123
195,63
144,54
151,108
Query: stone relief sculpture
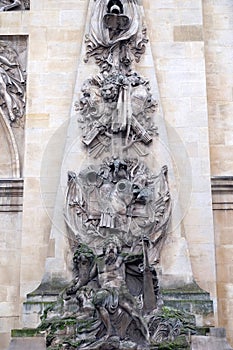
112,303
13,62
12,84
116,104
118,101
117,210
8,5
120,197
117,35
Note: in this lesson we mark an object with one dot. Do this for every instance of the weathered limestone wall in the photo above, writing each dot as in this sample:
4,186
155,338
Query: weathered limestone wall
176,33
223,216
218,23
218,20
10,243
55,30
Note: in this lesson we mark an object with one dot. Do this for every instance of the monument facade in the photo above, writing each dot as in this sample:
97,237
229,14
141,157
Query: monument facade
135,152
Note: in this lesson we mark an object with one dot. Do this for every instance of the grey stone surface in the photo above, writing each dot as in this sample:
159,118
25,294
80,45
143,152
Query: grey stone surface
209,343
218,332
35,343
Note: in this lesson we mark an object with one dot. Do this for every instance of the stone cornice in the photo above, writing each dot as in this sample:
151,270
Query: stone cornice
222,192
11,195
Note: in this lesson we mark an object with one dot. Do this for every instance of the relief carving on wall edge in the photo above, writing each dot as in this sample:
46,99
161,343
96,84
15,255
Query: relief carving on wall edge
14,5
12,82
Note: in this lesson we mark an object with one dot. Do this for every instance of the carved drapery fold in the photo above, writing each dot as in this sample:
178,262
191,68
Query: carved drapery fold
116,38
98,32
13,59
12,84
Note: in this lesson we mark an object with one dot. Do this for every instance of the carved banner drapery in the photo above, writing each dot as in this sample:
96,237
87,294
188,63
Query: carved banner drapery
121,198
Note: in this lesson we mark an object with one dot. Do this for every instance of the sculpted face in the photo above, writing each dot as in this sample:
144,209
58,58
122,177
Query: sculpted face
111,249
109,92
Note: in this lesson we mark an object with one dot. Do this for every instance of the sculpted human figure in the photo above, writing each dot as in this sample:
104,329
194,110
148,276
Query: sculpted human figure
77,292
83,263
12,89
113,293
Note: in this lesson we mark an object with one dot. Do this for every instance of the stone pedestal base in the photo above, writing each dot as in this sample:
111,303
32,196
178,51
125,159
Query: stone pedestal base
25,343
216,340
191,299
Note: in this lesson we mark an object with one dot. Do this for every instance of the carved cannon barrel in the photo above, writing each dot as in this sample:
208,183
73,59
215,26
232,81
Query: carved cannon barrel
140,131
